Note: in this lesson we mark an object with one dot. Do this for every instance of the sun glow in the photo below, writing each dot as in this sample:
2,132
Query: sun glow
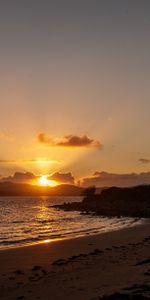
44,181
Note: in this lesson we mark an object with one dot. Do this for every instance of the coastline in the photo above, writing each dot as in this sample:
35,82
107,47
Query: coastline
124,225
127,243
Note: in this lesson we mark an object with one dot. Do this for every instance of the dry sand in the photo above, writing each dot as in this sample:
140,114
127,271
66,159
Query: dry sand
83,268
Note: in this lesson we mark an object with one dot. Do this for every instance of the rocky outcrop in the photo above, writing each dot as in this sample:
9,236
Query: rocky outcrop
114,201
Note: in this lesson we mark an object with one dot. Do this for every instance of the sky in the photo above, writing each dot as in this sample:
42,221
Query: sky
74,86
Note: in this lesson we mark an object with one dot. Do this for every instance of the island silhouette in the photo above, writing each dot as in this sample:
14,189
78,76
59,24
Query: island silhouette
113,201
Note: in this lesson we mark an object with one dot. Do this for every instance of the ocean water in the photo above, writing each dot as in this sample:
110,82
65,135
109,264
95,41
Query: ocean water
29,220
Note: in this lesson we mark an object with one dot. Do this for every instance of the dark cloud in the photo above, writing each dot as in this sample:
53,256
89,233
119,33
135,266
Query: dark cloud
70,141
20,177
104,179
29,177
76,141
144,160
62,177
44,138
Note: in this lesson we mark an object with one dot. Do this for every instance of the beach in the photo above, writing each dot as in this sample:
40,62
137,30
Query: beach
85,268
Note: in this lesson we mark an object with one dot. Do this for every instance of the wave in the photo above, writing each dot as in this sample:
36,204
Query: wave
32,220
17,222
55,220
22,241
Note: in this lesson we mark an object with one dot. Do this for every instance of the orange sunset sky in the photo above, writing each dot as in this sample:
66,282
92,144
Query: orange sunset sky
74,87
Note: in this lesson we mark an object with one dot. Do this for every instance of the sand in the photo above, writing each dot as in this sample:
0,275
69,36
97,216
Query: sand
85,268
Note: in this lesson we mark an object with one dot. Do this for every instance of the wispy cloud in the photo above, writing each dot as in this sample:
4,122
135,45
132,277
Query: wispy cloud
30,161
144,160
70,141
5,161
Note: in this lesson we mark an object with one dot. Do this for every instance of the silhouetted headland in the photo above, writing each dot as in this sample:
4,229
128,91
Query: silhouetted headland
18,189
114,201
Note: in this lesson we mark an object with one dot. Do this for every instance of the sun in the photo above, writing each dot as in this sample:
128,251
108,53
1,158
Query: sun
44,181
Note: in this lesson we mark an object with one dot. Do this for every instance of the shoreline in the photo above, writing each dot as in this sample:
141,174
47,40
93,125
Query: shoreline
136,222
42,267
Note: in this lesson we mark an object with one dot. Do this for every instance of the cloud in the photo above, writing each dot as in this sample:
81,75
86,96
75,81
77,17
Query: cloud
44,138
104,179
76,141
144,160
29,161
29,177
70,141
5,161
62,177
20,177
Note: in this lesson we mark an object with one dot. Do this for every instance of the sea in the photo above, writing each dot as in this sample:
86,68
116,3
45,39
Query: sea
31,220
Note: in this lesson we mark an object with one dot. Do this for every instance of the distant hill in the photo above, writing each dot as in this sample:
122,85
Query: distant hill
18,189
114,201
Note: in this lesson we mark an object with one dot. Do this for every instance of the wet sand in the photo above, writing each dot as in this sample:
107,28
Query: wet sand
85,268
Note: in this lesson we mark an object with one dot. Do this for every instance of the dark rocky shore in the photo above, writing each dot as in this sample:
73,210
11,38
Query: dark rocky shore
114,201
